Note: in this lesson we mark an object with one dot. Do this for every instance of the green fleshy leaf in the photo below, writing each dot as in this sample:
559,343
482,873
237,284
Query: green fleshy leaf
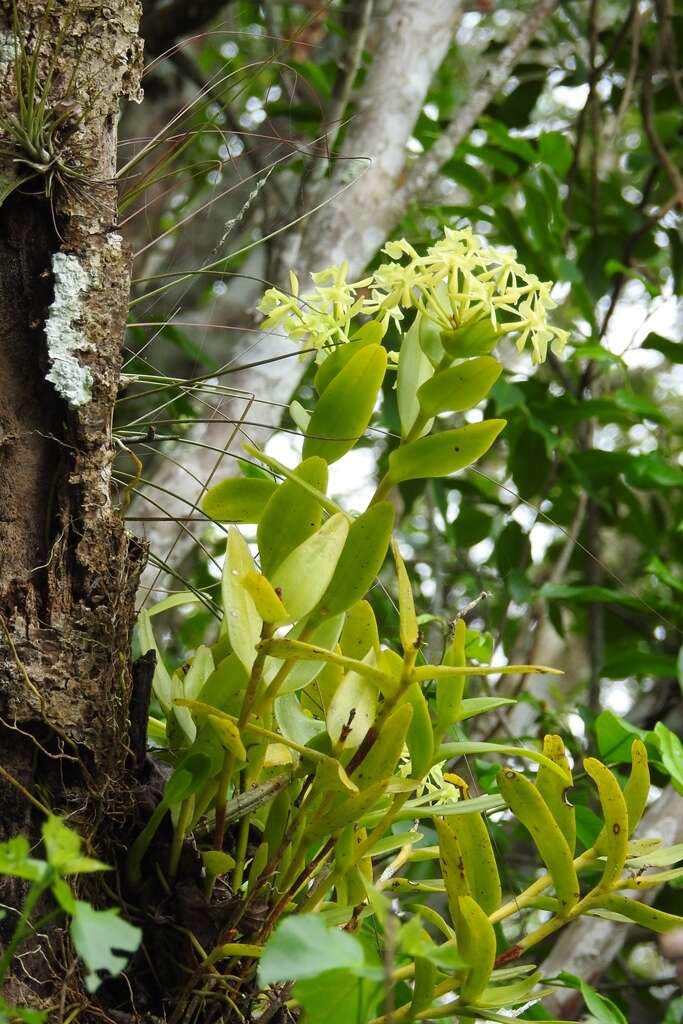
103,940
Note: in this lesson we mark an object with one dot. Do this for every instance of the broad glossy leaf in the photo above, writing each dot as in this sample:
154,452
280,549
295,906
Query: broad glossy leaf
161,681
303,946
294,724
420,738
414,368
472,706
331,776
648,917
555,149
441,454
103,940
63,848
672,754
345,406
268,604
370,333
16,861
340,996
380,762
217,862
304,672
335,362
181,714
472,339
291,515
459,387
391,664
305,574
238,499
658,857
408,628
241,620
324,687
361,559
615,737
198,673
602,1009
352,709
360,633
227,681
430,334
301,416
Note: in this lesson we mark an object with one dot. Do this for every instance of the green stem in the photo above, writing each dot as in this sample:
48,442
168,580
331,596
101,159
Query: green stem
383,488
141,845
390,703
241,853
295,865
386,483
534,890
273,689
229,759
327,883
202,800
184,818
22,928
222,798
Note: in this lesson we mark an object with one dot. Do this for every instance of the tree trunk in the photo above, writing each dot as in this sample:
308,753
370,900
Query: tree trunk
68,569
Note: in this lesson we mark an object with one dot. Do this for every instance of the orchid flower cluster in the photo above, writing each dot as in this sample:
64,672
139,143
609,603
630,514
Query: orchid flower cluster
458,282
323,317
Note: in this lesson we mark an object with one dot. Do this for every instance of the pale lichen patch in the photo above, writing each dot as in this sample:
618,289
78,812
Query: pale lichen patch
65,339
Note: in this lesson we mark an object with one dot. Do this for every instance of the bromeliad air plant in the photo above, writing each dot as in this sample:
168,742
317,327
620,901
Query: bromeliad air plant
311,761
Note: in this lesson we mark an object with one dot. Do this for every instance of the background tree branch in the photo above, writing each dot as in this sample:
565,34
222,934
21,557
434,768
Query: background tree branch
374,181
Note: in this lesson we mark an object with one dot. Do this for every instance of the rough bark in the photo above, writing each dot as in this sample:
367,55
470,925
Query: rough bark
357,222
68,569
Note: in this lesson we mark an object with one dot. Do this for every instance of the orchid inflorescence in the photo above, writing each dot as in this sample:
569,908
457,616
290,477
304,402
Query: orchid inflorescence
458,282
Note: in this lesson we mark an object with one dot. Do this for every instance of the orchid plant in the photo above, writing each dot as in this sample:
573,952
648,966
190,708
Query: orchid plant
311,759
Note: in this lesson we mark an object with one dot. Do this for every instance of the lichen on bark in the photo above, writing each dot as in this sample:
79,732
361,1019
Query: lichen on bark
68,568
64,339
